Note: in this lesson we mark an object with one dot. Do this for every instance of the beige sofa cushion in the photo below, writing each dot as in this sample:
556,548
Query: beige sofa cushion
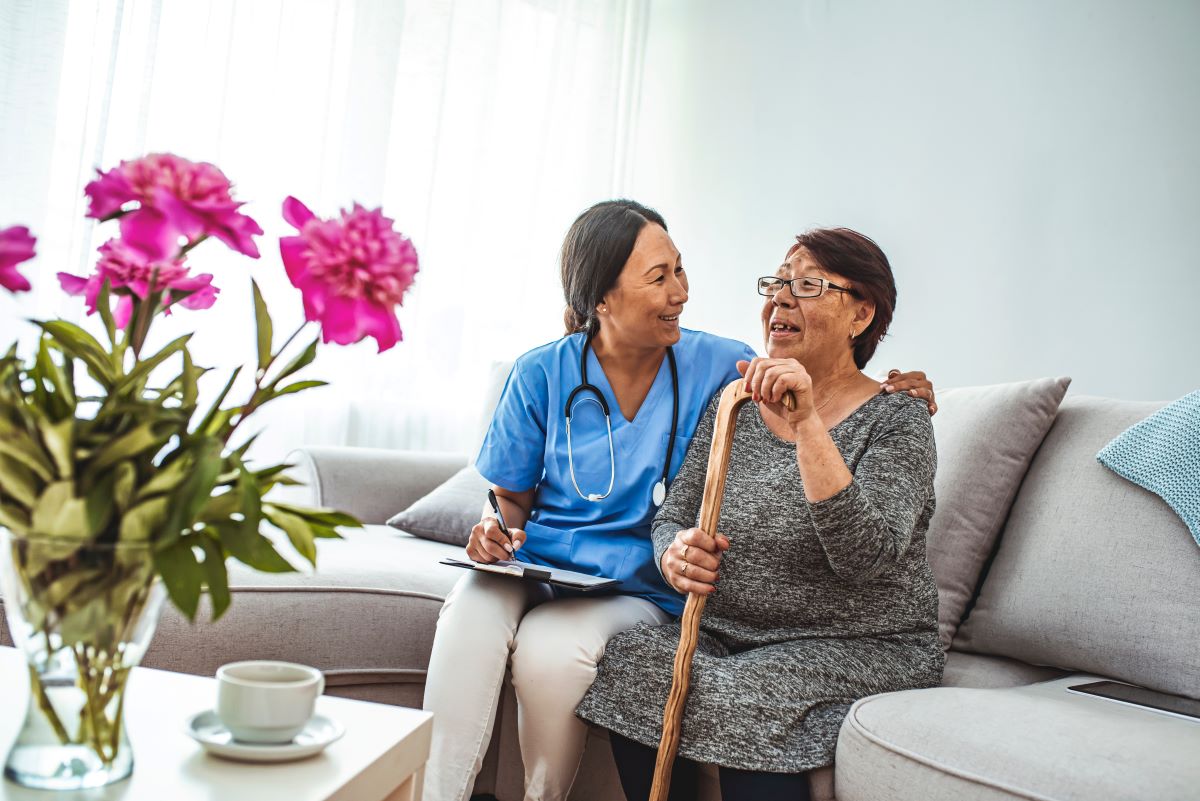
1033,742
986,437
988,672
1093,573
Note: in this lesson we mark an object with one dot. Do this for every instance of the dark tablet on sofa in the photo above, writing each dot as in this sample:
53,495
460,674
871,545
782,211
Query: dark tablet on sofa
1140,696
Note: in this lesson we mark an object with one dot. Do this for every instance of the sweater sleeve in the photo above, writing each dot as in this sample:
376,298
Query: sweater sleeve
869,525
682,507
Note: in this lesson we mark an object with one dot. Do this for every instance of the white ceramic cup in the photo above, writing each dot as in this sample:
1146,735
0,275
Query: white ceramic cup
267,702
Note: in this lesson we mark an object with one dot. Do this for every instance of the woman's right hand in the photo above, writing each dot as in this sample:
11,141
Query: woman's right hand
487,542
690,563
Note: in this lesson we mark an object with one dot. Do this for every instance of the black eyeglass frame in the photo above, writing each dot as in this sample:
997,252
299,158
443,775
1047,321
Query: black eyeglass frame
792,283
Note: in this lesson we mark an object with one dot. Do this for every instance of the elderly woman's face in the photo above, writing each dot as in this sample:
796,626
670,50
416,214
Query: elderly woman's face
809,329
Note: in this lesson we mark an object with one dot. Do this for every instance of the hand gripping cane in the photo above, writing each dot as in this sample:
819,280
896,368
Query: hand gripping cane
732,398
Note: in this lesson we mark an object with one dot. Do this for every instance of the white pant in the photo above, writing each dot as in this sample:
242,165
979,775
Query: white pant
489,622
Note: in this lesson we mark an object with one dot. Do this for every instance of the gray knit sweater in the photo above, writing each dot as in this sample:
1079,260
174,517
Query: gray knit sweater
817,604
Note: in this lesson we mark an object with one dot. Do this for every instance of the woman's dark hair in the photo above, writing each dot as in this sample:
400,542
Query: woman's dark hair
593,254
858,259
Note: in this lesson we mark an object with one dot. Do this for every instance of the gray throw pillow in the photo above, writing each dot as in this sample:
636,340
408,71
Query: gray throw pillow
986,437
448,513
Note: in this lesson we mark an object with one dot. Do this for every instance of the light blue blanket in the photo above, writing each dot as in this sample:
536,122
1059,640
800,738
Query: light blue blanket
1162,454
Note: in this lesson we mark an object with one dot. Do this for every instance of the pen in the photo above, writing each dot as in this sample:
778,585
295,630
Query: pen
500,519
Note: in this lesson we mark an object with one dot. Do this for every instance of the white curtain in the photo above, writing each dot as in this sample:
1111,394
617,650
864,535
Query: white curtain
481,126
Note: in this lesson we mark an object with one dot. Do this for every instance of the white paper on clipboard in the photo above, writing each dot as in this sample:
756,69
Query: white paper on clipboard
551,575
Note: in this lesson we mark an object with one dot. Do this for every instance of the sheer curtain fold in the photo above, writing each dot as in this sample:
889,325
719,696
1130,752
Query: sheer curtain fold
481,127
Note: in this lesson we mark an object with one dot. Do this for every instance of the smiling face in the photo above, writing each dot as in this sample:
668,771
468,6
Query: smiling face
814,331
643,308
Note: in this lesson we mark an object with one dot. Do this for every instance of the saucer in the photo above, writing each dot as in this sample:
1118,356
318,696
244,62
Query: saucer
208,730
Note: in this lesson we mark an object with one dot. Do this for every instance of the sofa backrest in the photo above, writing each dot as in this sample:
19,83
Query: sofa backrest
1092,572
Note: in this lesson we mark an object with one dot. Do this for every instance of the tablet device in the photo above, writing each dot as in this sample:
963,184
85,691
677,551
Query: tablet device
1127,694
551,575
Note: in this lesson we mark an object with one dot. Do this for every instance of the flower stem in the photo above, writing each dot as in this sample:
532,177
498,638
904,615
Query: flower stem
188,247
47,708
256,397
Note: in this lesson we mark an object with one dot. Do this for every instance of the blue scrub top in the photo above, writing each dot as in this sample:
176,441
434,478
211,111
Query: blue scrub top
526,447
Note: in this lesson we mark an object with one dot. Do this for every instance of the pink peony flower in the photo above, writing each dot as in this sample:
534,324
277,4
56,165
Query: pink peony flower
176,197
16,246
131,272
352,272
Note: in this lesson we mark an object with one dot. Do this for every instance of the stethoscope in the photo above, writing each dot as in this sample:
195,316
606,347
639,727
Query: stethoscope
659,494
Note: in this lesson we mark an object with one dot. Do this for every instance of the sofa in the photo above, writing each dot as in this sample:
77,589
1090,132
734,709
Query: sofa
1052,571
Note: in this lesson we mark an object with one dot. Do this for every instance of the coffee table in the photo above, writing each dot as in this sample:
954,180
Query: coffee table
380,758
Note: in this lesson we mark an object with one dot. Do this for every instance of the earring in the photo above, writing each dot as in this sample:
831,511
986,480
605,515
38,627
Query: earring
852,332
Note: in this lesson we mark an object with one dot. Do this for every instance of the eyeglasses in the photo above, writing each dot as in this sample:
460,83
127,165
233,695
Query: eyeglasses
801,287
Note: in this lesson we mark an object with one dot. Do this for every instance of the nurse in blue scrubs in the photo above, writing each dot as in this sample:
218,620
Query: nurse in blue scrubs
578,495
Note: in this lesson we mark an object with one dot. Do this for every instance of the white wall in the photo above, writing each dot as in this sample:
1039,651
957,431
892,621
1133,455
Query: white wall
1031,168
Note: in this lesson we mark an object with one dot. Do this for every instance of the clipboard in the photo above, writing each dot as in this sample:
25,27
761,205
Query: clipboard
580,582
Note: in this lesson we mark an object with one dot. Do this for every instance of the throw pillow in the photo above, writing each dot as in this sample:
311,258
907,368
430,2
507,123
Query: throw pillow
448,513
986,437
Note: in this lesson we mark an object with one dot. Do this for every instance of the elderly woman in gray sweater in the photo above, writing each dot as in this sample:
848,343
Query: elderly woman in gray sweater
819,589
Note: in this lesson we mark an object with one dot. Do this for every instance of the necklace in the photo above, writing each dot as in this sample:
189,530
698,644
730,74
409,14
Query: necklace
830,399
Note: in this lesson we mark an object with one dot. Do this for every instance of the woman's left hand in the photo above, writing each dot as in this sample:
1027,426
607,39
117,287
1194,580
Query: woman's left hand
914,383
768,380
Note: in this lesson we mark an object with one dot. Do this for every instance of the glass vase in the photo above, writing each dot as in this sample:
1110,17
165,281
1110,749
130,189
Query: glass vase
83,614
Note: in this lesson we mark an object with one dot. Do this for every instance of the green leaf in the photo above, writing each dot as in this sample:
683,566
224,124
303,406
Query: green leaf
196,489
104,306
144,367
328,517
18,481
167,478
59,439
206,425
182,575
128,444
124,485
221,506
14,518
191,380
240,453
65,589
216,577
262,322
99,502
17,445
299,386
252,548
270,473
59,513
140,523
297,530
286,481
301,361
59,377
76,342
251,497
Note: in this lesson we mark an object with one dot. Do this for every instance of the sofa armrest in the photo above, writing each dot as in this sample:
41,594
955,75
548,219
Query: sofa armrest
370,483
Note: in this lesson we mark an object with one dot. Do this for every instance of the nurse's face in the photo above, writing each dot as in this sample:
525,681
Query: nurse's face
643,308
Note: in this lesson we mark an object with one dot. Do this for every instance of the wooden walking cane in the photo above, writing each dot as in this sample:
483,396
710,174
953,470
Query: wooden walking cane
732,398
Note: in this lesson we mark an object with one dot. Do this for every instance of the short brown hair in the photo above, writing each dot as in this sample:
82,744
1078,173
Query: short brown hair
858,259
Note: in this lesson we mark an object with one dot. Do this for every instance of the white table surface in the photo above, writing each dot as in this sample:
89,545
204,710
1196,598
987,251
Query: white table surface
381,756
